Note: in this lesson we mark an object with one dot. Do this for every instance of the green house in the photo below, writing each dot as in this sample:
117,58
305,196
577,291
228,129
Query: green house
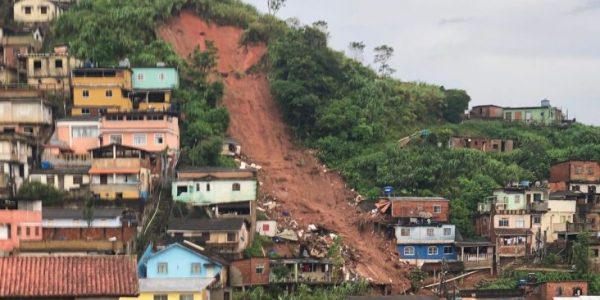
156,78
542,115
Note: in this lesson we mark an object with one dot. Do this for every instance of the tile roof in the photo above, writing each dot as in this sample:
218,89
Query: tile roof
68,276
416,198
225,224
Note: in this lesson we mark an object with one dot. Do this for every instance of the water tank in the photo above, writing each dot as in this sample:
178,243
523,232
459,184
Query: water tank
545,103
387,190
46,165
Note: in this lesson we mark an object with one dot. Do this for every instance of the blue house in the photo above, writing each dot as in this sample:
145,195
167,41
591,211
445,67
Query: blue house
153,87
425,242
181,260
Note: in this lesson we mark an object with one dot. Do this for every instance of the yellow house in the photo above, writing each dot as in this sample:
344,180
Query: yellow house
173,289
99,90
35,11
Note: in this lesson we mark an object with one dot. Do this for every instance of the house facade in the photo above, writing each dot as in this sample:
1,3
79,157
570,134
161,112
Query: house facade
35,11
16,152
423,242
435,208
19,222
486,112
119,172
481,144
150,131
541,115
25,112
153,88
11,47
575,175
70,180
50,71
99,90
205,186
78,134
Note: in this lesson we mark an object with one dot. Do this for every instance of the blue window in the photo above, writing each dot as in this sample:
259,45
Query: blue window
409,250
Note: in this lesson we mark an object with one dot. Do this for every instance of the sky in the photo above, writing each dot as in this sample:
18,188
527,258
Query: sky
503,52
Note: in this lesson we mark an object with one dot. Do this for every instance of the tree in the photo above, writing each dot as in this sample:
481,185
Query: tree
357,50
457,101
581,255
275,5
39,191
383,54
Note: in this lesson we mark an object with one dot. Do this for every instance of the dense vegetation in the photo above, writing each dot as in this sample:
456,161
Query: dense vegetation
304,292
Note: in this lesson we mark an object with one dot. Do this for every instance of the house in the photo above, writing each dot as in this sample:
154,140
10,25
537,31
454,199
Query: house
25,111
436,208
481,294
541,115
68,277
35,11
74,181
423,241
227,236
481,144
19,221
99,90
181,269
16,154
50,71
153,88
120,172
475,254
266,228
77,135
11,46
150,131
575,175
568,288
68,230
249,272
560,212
231,147
303,270
486,112
226,192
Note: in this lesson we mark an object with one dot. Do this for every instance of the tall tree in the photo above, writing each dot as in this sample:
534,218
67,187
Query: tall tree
581,255
275,5
357,50
457,101
383,54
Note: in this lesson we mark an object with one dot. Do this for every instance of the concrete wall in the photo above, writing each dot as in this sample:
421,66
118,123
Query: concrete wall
514,221
266,228
97,88
211,191
561,212
179,264
31,11
244,272
168,128
444,233
33,111
155,78
48,76
21,223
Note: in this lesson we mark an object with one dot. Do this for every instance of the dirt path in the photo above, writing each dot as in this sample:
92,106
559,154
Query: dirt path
290,173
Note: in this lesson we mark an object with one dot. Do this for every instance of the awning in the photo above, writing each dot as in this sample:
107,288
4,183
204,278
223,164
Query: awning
115,171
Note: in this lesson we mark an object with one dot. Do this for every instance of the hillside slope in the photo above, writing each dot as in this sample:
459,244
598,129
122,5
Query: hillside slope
290,173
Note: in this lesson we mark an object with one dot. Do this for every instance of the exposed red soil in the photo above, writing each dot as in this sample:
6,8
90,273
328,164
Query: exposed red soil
290,173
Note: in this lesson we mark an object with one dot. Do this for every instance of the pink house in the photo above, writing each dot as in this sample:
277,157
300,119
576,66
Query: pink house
23,222
150,131
77,134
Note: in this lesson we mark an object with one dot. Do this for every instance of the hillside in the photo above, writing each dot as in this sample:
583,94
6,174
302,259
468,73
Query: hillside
289,173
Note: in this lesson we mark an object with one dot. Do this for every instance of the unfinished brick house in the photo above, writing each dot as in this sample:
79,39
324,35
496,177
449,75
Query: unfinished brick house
481,144
486,112
434,208
575,175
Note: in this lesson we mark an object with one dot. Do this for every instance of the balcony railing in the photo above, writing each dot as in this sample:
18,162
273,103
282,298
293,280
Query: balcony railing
538,206
474,261
579,227
518,250
68,160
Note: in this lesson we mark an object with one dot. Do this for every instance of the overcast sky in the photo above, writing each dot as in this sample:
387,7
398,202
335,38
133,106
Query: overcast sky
504,52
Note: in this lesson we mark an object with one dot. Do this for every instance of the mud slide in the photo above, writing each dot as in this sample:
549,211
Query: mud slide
290,173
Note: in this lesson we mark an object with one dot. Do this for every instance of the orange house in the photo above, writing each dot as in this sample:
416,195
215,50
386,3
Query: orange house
20,221
78,134
149,131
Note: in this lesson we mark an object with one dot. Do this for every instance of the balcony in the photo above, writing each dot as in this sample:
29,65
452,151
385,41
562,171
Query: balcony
539,206
474,261
67,160
580,227
512,251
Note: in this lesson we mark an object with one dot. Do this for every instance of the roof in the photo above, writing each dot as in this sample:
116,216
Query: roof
512,231
486,105
227,224
529,107
67,213
119,146
175,285
202,251
68,276
416,198
493,293
79,118
566,195
69,170
114,171
190,169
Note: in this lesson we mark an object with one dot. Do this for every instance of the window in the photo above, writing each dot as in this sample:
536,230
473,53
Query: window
578,170
265,227
27,231
182,189
196,267
437,209
161,297
517,199
537,219
27,10
537,197
520,223
197,187
116,139
186,297
18,230
85,93
231,236
235,187
162,268
447,249
575,188
58,64
559,291
447,231
208,187
404,231
409,250
432,250
44,10
595,252
139,139
161,76
102,111
77,179
503,223
50,180
158,139
260,269
37,64
37,231
109,93
429,231
590,171
84,131
140,76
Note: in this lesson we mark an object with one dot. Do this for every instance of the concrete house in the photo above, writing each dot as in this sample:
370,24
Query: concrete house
120,172
72,180
434,208
20,221
153,88
35,11
26,112
79,134
50,71
16,152
11,48
100,90
423,241
481,144
575,175
541,115
228,237
150,131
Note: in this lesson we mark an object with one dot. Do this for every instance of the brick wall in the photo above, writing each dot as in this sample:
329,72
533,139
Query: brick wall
243,272
124,234
587,171
549,290
408,208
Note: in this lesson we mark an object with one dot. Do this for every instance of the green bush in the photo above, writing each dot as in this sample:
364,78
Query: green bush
39,191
